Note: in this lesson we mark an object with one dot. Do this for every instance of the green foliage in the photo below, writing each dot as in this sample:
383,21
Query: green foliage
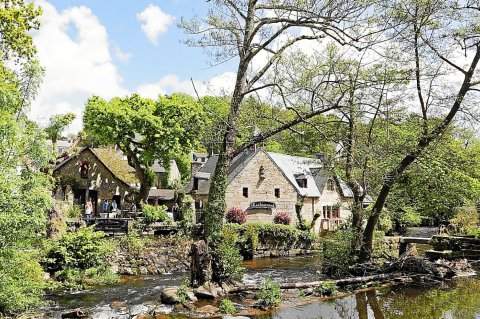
270,295
465,220
229,258
21,282
227,306
155,214
326,288
80,258
132,243
18,20
146,130
337,253
187,211
57,124
183,290
74,212
278,235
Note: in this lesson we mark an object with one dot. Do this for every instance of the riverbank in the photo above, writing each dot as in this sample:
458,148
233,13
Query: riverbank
139,296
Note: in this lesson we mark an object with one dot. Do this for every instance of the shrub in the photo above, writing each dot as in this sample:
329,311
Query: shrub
79,258
251,234
187,213
229,257
227,306
21,282
236,215
183,291
133,243
155,214
282,218
337,253
465,220
326,288
270,295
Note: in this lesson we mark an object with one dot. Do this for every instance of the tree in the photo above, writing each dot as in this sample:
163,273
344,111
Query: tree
248,31
18,20
56,125
431,33
146,130
24,189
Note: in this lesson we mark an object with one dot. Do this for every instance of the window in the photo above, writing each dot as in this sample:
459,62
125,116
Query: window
245,192
330,185
84,170
261,172
195,184
277,192
302,182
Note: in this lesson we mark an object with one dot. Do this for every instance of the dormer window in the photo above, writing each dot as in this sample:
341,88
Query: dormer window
261,172
302,182
330,185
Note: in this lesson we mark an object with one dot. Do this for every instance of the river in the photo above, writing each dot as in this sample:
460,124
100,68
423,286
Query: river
453,299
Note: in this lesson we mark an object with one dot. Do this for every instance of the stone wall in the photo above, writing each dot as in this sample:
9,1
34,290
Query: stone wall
262,189
160,256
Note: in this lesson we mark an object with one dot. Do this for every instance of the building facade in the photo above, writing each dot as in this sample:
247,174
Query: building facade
264,183
104,174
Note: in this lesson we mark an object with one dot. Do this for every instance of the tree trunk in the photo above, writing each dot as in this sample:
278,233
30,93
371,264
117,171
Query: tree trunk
141,172
201,264
56,225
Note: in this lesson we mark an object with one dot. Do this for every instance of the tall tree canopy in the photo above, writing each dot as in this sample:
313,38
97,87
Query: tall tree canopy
146,130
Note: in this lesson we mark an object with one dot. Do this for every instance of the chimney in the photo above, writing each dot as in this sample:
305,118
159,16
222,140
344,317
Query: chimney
194,168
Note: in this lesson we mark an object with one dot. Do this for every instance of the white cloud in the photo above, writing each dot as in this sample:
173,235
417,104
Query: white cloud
219,85
122,56
155,22
78,64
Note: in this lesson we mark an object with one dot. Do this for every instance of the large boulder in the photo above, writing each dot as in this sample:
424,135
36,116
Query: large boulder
170,296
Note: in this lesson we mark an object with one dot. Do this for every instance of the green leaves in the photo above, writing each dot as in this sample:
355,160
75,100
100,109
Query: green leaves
146,130
17,20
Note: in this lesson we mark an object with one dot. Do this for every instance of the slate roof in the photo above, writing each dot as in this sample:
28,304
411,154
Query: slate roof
292,167
296,167
162,193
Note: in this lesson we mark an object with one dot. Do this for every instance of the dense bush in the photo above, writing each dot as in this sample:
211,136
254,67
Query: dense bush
282,218
337,253
21,282
465,221
236,215
132,243
155,214
270,296
187,212
326,289
80,258
229,259
227,306
251,234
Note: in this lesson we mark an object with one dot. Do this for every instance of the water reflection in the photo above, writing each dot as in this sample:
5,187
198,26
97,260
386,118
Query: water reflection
456,299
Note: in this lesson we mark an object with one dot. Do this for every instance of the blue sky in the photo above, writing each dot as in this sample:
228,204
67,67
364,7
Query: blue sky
116,47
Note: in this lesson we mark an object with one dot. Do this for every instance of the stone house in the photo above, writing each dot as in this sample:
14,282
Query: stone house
104,173
264,183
